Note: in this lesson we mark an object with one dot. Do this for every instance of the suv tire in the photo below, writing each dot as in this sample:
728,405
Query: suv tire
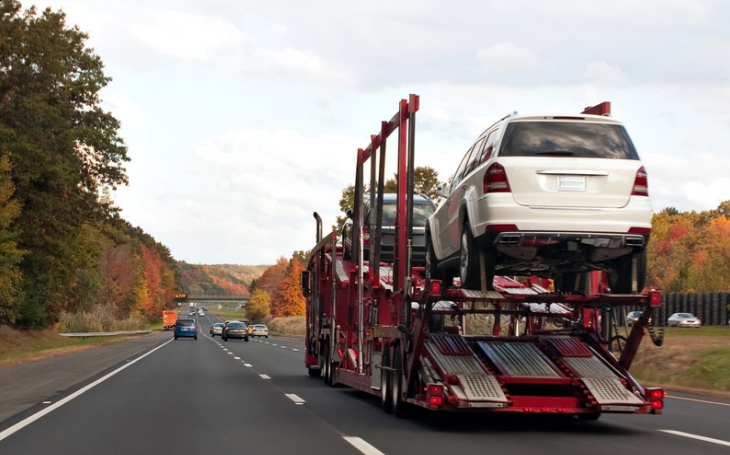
619,273
469,260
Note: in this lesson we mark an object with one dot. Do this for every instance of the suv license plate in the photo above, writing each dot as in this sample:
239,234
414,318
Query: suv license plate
570,183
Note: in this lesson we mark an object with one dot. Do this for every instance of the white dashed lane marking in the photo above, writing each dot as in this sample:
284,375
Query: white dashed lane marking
247,365
265,376
362,445
296,399
237,358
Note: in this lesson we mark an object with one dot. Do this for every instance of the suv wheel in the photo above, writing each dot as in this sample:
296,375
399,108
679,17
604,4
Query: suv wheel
620,273
432,271
469,260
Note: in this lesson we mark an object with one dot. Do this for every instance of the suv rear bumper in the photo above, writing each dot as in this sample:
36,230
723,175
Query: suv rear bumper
501,209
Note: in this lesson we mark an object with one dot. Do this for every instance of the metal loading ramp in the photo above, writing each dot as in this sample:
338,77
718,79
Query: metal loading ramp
519,359
580,358
476,388
608,391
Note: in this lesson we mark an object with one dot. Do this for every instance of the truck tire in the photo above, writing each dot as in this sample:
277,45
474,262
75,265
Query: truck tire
326,364
385,402
396,383
619,273
314,372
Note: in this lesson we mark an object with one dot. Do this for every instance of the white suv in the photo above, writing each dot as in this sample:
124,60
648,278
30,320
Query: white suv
553,196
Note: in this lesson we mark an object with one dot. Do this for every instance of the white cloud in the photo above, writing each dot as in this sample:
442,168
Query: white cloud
186,36
294,63
602,73
503,57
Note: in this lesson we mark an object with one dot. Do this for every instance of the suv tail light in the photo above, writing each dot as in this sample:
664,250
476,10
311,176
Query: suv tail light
495,180
641,183
366,235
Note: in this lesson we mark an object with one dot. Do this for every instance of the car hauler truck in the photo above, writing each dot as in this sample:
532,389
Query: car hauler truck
385,329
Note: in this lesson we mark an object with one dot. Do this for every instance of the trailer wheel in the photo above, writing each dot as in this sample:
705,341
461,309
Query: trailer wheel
314,372
385,400
326,366
399,406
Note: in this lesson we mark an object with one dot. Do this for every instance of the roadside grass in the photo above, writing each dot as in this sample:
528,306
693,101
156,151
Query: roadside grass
708,331
227,313
20,346
291,325
689,358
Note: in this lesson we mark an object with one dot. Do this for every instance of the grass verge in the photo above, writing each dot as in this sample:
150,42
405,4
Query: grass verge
689,359
20,346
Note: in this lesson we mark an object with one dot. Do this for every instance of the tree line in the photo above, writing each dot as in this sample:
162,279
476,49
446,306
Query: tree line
63,245
690,251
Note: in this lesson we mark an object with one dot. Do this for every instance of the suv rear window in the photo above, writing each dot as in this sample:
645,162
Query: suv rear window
421,211
185,322
569,139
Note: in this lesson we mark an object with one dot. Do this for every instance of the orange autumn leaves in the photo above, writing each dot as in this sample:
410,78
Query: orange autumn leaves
690,251
282,283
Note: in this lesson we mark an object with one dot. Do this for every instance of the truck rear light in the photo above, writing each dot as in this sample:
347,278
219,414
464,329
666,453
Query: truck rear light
495,180
641,183
435,288
655,299
435,400
656,399
435,389
655,394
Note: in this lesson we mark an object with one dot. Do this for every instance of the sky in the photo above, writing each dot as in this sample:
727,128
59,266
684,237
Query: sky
242,117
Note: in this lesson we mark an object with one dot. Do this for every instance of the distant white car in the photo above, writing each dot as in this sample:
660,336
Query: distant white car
260,330
684,320
549,195
216,329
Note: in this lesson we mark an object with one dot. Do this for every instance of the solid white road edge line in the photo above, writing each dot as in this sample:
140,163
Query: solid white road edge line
697,401
363,446
699,438
24,423
296,399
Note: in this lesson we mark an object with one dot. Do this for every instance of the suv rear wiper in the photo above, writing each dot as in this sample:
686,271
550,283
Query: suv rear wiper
556,153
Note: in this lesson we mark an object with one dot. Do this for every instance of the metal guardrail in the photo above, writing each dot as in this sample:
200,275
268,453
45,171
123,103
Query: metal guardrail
106,334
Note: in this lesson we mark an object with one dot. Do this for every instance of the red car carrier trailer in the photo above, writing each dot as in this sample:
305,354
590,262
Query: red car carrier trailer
386,330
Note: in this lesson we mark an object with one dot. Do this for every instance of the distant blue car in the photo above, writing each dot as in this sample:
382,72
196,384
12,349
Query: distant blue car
186,328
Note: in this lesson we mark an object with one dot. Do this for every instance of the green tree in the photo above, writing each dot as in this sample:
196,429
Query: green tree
257,308
10,255
64,150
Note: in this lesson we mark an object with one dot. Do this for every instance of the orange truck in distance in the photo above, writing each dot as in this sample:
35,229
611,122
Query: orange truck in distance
169,317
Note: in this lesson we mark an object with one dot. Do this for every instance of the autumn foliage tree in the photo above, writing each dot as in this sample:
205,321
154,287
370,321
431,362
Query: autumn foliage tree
690,251
257,308
288,300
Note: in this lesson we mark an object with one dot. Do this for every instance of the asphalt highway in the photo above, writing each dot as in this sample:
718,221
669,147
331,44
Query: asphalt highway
209,396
